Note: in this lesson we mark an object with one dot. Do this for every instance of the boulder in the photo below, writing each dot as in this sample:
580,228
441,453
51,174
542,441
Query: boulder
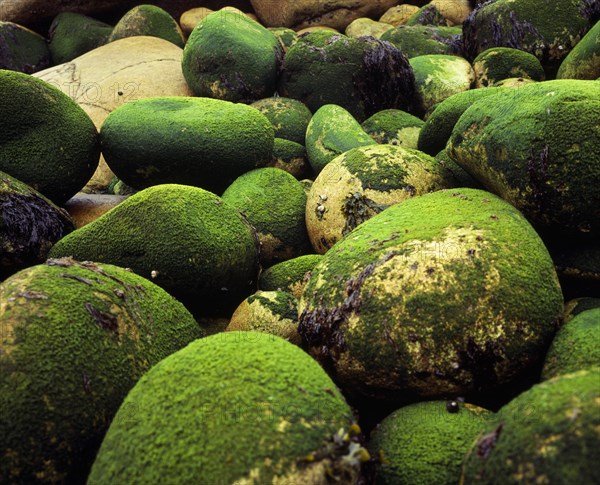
421,40
148,20
499,63
22,49
394,127
291,157
86,208
583,62
290,276
289,117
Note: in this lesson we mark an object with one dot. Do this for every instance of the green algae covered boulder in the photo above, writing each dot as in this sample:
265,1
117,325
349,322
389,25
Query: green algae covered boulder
291,157
185,239
29,225
273,202
536,147
230,56
22,50
583,62
498,63
289,117
272,312
576,345
331,132
548,434
361,183
363,75
428,14
461,177
148,20
246,407
75,338
73,34
431,298
46,140
394,127
291,275
285,36
425,442
194,141
421,40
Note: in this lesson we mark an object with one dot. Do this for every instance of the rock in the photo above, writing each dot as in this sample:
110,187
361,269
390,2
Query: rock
190,18
291,157
362,182
274,202
426,442
86,208
577,262
367,27
428,15
148,20
549,431
290,276
394,127
498,63
438,77
289,117
513,82
361,75
22,49
29,225
399,14
184,239
231,57
196,424
286,37
317,28
124,70
307,13
536,147
455,11
411,304
272,312
579,305
76,337
331,132
203,142
583,62
46,140
72,35
460,175
421,40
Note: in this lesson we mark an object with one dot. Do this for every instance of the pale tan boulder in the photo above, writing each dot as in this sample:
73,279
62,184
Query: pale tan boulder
86,208
456,11
367,27
399,14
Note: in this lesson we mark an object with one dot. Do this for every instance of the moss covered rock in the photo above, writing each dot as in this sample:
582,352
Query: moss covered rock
29,225
498,63
286,37
513,82
425,442
430,299
363,75
428,14
291,157
291,275
289,117
421,40
536,147
75,338
394,127
361,183
148,20
185,239
583,62
273,201
548,434
46,140
246,407
331,132
22,49
72,34
195,141
230,56
461,177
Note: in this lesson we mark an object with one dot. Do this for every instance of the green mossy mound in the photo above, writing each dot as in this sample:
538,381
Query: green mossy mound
575,347
230,56
291,275
29,225
246,407
285,36
273,201
361,183
291,157
148,20
22,50
427,15
75,339
331,132
194,141
537,147
425,443
499,63
421,40
289,117
362,75
583,62
431,299
548,434
394,127
513,82
46,140
73,34
185,239
461,177
272,312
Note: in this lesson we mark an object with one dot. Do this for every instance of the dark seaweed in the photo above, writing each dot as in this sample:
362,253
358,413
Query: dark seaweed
106,321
